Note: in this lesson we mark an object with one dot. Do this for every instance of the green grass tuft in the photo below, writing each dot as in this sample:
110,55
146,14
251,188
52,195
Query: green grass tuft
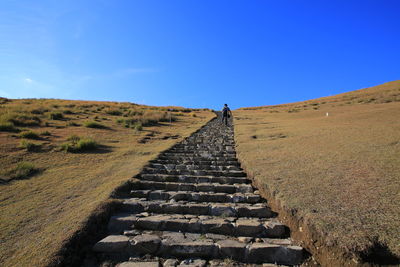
71,123
8,127
23,170
68,111
93,124
29,146
56,116
45,133
78,144
19,119
29,135
137,126
114,112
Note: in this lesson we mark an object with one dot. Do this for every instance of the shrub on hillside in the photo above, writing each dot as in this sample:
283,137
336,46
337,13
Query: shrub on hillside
56,116
39,111
153,118
29,135
71,123
45,133
137,126
93,124
86,144
73,138
78,144
69,105
19,119
8,127
22,170
29,146
114,112
67,111
134,112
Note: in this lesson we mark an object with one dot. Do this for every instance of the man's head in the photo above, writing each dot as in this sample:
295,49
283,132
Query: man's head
225,105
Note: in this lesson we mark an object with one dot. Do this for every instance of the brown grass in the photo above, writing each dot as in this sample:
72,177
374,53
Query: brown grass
40,213
339,172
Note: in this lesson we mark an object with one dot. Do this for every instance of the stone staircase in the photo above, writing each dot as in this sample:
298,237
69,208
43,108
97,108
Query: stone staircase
194,206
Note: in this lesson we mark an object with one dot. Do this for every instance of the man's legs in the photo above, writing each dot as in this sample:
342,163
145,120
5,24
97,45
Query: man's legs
225,119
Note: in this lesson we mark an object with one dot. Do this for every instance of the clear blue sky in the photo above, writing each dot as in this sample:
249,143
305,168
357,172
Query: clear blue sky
196,53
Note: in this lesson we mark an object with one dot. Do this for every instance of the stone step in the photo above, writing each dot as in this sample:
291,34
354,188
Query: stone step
230,226
210,144
194,167
205,154
193,179
200,187
195,158
210,138
184,246
203,147
258,210
197,162
230,173
206,150
196,196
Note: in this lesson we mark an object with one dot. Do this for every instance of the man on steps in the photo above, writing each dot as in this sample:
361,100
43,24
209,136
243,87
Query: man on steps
226,113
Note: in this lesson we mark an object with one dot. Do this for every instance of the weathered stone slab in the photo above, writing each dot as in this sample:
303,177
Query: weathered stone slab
170,263
171,186
254,211
225,188
248,227
194,225
132,205
152,222
193,249
112,243
278,241
140,193
198,208
173,237
193,263
158,194
263,252
232,249
218,226
275,229
119,223
237,198
176,225
222,210
138,264
205,187
145,244
243,188
251,198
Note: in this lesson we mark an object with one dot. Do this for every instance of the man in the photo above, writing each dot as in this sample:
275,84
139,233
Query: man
226,113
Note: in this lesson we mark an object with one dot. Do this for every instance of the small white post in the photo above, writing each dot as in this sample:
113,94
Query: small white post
327,114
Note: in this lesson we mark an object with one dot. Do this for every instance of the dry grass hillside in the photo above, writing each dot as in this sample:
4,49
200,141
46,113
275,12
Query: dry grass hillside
61,159
339,173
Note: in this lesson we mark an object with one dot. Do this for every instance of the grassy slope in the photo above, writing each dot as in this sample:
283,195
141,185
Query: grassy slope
40,213
341,172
